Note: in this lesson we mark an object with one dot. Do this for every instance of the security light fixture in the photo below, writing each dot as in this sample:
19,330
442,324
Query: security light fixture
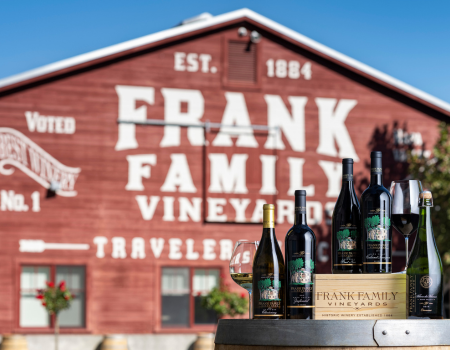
242,31
255,37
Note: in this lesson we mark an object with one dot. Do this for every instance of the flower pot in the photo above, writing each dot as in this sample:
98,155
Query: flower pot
14,342
114,342
205,341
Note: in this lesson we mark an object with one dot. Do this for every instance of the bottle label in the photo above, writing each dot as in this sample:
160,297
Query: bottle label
300,282
377,227
269,295
376,170
347,177
300,210
423,294
348,252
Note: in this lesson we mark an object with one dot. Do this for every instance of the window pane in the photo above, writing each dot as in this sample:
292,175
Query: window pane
74,316
203,281
32,313
175,297
175,281
74,276
202,315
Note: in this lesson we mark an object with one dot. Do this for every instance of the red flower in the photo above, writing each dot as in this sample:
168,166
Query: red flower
44,304
66,297
39,296
73,296
62,286
243,295
50,284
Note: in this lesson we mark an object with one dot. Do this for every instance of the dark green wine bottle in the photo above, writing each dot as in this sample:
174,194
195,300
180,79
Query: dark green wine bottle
300,251
425,285
268,272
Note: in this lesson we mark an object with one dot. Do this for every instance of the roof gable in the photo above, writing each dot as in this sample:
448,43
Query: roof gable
171,34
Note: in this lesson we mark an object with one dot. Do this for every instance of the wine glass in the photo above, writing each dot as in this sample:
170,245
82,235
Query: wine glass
405,208
241,267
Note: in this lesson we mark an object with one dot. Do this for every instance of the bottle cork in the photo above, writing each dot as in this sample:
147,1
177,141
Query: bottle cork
425,195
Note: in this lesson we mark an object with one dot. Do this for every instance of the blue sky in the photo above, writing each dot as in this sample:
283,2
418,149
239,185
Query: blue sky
409,40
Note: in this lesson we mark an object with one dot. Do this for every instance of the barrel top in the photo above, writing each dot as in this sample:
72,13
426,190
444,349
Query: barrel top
333,333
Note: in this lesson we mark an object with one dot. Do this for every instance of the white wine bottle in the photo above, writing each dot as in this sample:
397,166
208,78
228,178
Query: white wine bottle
425,273
268,272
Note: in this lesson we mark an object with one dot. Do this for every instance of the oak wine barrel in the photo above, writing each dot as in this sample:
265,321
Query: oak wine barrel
114,342
205,341
14,342
332,334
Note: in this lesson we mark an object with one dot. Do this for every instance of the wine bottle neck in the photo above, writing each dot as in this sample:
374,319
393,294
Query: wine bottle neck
425,227
348,185
376,179
269,234
376,174
300,210
300,218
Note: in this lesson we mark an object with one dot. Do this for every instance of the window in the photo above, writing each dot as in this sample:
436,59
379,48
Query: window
33,314
181,290
241,62
75,282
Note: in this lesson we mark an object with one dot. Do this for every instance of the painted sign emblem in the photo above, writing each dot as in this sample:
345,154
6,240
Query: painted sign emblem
17,150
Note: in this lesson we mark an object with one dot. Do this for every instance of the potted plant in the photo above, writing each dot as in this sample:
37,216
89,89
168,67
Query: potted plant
54,299
225,303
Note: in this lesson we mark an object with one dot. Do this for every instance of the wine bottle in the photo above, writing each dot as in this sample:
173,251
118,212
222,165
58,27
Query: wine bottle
346,245
425,272
300,251
376,207
268,272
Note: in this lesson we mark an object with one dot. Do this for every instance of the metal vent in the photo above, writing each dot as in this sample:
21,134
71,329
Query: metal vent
241,62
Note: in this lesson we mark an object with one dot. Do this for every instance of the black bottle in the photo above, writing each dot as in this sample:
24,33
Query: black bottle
376,203
300,252
346,244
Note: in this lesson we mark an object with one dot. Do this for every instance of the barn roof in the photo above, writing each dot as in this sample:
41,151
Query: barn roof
209,23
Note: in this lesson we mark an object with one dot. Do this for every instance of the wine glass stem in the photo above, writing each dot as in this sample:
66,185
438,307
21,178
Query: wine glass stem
250,305
407,248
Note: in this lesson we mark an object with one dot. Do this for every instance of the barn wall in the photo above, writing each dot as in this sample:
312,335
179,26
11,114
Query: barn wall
124,292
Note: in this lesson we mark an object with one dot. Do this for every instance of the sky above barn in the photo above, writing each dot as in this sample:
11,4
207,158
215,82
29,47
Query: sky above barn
405,39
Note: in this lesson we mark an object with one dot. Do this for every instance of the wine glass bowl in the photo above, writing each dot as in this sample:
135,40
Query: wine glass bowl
241,266
405,208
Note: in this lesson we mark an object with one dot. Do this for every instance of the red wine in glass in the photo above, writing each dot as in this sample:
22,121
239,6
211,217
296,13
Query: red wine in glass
405,208
406,224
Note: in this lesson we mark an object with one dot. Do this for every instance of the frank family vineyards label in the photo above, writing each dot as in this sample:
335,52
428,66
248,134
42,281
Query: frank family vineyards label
269,294
424,296
360,296
300,285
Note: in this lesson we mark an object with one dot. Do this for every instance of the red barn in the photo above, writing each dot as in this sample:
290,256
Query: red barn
130,171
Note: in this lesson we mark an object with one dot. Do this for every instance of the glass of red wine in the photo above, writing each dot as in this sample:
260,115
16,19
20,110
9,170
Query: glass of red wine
405,208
